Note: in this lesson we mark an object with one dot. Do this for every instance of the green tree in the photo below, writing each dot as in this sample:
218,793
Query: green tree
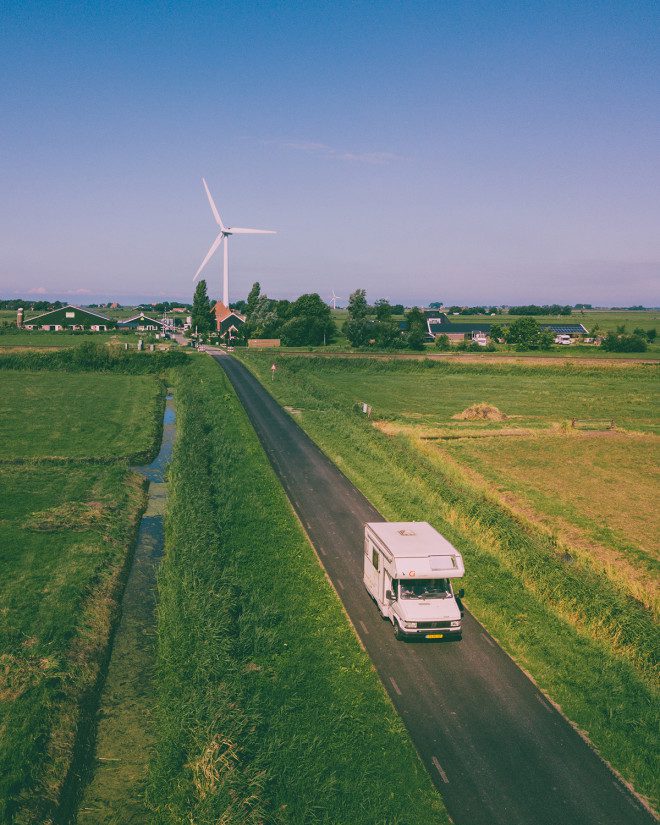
359,331
263,320
357,305
623,343
497,331
383,309
416,336
310,322
253,298
201,310
387,335
442,342
525,333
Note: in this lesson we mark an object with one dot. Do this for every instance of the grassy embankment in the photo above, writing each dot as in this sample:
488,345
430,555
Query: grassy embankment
590,644
268,709
66,531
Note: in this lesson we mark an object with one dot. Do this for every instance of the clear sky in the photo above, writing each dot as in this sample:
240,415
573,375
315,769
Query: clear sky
458,151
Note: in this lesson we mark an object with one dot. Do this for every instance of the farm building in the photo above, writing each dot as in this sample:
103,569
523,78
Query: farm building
142,323
68,317
228,322
441,325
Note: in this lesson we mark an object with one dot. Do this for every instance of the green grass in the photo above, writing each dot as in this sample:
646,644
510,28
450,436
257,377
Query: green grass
65,537
40,339
258,721
83,415
588,643
536,395
69,509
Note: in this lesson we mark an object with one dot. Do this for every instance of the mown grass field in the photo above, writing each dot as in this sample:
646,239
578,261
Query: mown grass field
39,339
78,415
269,711
532,396
575,608
66,531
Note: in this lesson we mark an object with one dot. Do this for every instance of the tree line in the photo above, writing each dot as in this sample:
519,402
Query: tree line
376,326
307,321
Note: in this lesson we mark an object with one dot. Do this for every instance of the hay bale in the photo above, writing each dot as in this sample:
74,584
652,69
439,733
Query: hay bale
481,412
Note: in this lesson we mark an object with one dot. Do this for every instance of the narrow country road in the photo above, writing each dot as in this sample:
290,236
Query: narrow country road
498,752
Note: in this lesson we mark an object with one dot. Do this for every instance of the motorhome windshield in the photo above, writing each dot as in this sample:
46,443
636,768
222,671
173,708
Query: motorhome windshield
424,589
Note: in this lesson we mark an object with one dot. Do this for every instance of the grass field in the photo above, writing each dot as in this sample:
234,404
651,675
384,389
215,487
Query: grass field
56,340
66,532
533,396
79,415
582,623
257,721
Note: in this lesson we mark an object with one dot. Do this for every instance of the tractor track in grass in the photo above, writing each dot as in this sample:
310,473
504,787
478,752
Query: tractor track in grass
497,750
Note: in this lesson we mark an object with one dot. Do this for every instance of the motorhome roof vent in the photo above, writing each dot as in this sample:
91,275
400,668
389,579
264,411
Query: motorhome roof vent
406,532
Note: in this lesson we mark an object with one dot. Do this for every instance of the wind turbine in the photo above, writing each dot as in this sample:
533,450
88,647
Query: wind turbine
334,299
223,235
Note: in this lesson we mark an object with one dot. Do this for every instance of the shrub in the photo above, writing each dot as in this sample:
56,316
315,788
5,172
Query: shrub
623,343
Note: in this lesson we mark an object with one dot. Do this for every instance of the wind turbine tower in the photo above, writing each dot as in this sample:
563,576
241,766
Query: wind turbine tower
334,299
225,233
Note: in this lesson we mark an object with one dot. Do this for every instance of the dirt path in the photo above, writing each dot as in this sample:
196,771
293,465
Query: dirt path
114,784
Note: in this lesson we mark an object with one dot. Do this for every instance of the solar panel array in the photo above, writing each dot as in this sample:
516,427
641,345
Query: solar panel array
565,329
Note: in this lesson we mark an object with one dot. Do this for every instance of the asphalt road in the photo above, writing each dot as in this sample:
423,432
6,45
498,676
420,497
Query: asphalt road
498,752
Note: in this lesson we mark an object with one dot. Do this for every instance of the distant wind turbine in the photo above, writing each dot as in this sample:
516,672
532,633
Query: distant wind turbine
225,232
334,299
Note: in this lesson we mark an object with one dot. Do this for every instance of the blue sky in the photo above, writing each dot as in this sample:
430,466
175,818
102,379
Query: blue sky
471,152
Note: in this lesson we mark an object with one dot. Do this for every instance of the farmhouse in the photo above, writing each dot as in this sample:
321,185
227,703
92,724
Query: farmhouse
68,317
142,323
228,322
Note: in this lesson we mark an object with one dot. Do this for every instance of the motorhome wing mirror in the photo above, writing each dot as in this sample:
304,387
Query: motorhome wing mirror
461,593
389,596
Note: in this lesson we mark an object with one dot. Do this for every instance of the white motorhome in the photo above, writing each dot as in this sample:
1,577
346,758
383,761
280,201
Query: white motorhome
408,568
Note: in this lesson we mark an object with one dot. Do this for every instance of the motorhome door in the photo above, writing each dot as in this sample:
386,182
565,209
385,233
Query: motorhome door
388,584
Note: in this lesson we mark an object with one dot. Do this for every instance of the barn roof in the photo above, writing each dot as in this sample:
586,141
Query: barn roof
140,317
438,326
68,307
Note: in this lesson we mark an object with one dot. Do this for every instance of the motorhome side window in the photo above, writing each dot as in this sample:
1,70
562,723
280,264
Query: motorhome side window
374,557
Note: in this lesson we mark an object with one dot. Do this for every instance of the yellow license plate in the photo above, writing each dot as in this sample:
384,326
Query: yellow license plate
435,635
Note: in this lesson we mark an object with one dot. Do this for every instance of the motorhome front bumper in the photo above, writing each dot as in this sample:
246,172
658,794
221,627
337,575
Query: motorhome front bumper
432,632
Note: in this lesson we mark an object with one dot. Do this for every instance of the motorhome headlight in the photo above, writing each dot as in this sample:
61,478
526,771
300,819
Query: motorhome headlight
455,624
410,624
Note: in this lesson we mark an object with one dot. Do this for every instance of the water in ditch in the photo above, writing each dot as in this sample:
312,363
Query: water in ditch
116,770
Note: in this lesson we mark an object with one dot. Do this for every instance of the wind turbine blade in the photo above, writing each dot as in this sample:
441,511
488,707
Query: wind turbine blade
216,243
214,208
237,230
